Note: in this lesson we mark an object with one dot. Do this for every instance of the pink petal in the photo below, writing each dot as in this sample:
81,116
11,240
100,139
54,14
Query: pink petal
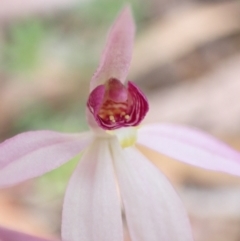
140,105
96,98
31,154
153,209
190,146
92,207
10,235
116,57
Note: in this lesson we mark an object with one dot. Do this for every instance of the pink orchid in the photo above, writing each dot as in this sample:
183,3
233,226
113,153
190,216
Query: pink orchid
11,235
113,175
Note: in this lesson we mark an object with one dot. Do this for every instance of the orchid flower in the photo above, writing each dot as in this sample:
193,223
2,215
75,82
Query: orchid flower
113,177
11,235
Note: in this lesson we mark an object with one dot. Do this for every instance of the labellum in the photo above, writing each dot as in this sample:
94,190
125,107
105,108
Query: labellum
114,106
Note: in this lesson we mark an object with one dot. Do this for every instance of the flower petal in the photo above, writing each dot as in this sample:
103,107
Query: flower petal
190,146
31,154
153,209
116,57
10,235
92,207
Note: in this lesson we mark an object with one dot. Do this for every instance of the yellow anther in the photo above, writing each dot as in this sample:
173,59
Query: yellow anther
111,118
127,117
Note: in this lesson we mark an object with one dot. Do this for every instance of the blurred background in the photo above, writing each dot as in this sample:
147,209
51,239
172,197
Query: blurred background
187,61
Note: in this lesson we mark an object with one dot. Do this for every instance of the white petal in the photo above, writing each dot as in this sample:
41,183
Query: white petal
152,207
32,154
92,207
191,146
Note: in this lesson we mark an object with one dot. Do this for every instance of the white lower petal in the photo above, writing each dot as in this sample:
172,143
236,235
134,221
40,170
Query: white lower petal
92,207
32,154
191,146
153,210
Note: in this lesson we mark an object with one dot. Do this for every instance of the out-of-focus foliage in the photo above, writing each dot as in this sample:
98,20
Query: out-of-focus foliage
21,50
56,120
